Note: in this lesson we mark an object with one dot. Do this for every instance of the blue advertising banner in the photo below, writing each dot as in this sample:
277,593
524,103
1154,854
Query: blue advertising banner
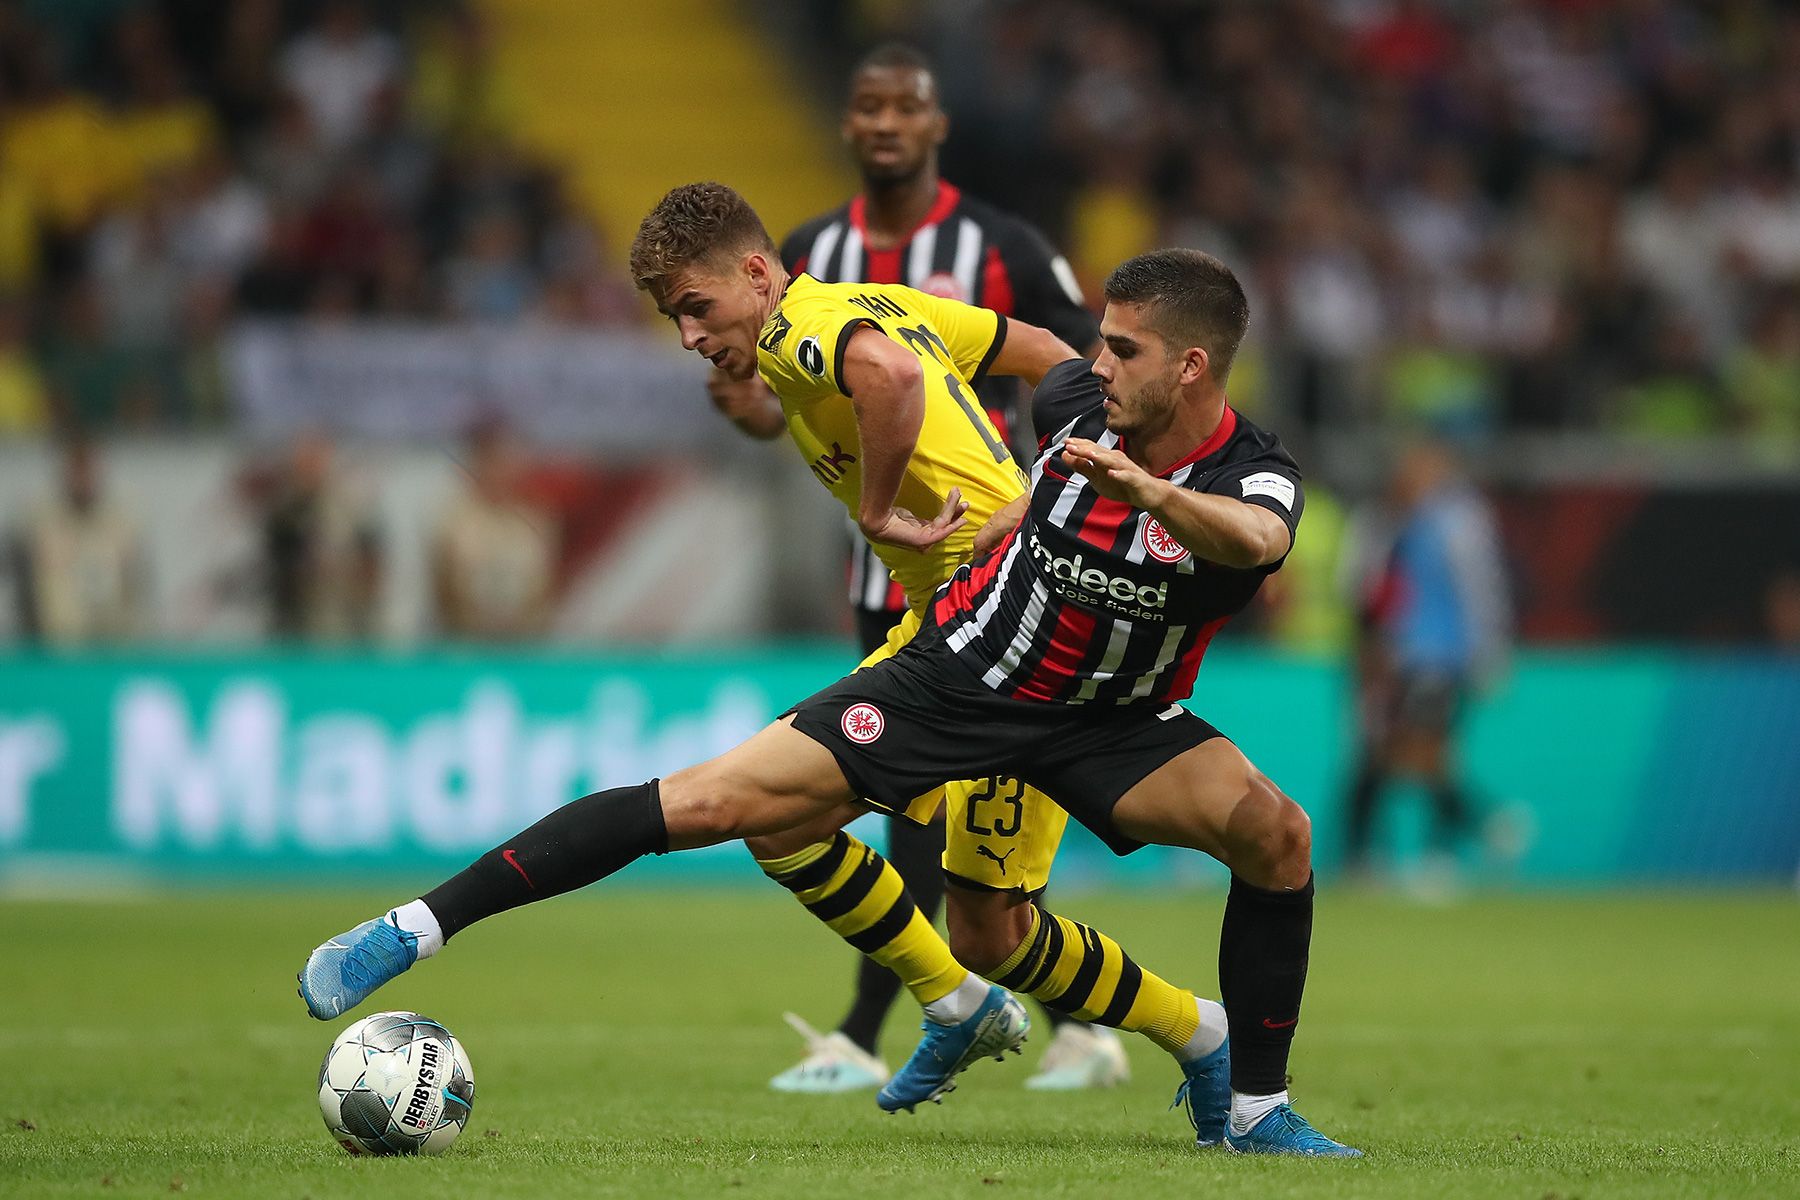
1612,766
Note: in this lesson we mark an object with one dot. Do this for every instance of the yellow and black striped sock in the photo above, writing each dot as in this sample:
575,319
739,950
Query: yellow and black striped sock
1078,970
854,891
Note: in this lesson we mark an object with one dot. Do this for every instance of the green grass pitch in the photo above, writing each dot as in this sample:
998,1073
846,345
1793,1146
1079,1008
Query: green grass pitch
1531,1047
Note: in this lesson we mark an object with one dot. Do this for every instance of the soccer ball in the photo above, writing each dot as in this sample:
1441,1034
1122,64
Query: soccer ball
396,1083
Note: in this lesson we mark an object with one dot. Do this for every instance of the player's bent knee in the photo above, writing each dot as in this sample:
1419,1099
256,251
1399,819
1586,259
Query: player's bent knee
1271,837
703,808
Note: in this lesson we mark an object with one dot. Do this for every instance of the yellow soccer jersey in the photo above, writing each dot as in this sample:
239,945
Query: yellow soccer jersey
800,354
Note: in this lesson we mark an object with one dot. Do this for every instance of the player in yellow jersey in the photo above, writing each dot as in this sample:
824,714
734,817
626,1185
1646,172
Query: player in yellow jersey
876,386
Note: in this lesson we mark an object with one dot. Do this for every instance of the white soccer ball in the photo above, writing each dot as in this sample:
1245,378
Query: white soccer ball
396,1083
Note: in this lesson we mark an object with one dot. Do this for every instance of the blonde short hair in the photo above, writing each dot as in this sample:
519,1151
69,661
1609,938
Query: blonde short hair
695,223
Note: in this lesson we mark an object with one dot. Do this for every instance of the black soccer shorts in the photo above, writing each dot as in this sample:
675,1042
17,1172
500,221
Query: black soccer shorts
920,719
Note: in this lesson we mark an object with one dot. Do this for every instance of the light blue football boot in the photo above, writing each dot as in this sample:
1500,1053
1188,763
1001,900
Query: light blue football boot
833,1063
343,972
1285,1131
999,1025
1206,1091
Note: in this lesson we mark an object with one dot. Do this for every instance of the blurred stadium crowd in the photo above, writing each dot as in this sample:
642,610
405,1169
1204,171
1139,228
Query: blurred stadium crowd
168,165
1481,214
1572,220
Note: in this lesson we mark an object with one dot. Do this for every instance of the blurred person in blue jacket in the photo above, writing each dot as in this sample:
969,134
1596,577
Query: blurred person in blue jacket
1434,618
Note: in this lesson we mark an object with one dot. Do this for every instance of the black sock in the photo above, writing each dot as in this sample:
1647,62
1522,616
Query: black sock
916,852
583,841
1263,946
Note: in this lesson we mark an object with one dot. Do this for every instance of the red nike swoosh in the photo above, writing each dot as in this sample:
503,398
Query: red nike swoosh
1267,1024
512,862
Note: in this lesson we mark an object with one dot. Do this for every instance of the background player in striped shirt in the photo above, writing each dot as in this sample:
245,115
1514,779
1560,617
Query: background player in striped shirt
909,225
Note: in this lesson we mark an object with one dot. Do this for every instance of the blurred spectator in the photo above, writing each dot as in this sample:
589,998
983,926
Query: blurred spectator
1434,626
489,278
97,382
338,68
79,561
1678,395
161,126
494,556
223,222
322,553
1763,375
458,87
1674,236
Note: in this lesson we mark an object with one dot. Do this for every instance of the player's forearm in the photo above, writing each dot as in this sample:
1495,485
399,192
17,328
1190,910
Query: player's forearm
1003,522
890,411
1029,352
1218,528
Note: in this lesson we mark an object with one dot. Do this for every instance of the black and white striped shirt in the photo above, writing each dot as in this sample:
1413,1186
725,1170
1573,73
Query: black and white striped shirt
1090,599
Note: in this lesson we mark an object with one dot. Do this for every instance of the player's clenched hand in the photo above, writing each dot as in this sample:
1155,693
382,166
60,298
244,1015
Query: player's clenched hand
1113,474
901,528
747,403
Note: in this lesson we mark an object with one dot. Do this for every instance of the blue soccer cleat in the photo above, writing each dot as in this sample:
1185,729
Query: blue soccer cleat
999,1025
343,972
1207,1093
1285,1131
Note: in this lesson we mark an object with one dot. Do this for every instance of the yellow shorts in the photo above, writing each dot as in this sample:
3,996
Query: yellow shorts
999,834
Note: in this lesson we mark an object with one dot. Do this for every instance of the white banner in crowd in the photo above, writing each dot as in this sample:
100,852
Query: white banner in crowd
412,381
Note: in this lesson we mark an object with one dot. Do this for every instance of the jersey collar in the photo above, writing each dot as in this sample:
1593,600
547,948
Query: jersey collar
1217,438
948,197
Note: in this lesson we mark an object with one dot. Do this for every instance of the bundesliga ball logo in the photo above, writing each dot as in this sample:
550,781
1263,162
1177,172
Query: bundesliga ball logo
1161,544
862,723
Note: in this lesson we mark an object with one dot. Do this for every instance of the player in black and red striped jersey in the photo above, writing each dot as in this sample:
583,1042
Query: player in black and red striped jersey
1155,513
908,225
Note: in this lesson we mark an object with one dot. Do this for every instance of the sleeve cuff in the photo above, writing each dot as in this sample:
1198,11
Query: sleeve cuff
843,347
993,351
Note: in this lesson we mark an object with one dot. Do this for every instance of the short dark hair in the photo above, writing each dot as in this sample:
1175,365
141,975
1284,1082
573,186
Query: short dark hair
695,223
1189,298
894,56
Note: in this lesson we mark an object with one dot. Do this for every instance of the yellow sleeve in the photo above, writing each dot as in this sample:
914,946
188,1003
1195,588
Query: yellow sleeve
800,352
973,336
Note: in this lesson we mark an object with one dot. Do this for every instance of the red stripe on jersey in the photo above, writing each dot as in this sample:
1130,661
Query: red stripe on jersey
1104,520
1182,686
800,267
957,598
896,597
1050,678
948,197
996,283
1002,424
882,266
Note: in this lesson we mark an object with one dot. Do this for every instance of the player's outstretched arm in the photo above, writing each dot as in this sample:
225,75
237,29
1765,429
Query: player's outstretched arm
1216,528
1029,352
748,404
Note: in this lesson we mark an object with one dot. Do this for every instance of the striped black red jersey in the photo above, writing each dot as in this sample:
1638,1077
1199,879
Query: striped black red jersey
1090,599
966,250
